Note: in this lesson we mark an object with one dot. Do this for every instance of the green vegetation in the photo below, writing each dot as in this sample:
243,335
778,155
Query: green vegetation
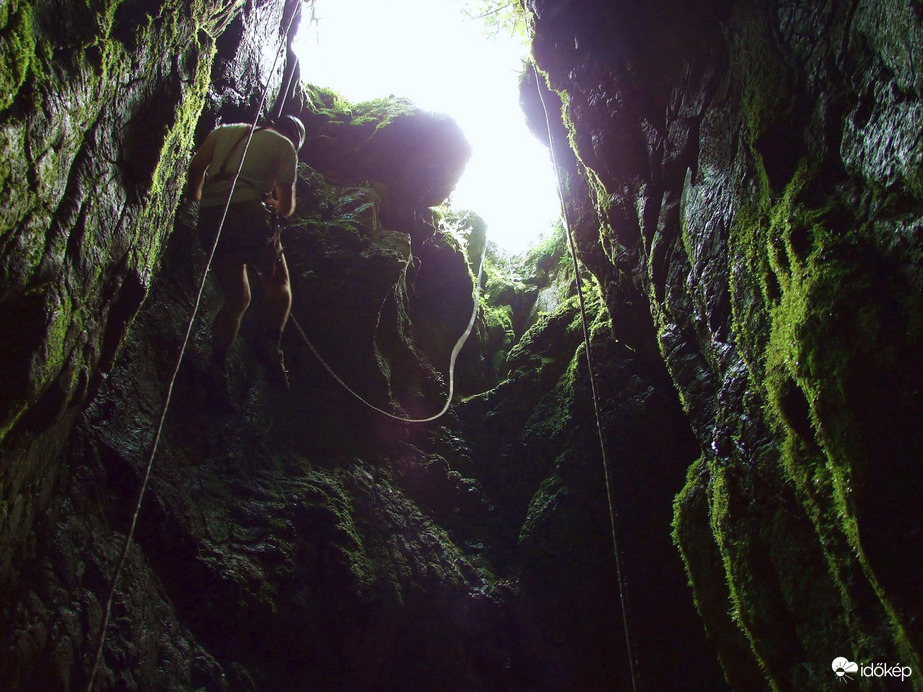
824,323
511,284
326,102
32,172
693,537
550,255
809,315
498,16
17,48
463,230
382,111
177,143
335,110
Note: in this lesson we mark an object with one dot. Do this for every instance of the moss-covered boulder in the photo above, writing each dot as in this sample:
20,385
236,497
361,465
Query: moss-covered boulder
417,156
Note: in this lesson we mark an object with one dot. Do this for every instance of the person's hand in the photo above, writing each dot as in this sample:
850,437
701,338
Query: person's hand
269,200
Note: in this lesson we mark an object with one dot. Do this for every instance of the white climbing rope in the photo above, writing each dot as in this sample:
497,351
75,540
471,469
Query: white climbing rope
126,544
455,351
593,389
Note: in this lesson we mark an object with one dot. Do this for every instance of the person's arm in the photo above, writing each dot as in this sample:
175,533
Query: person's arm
283,199
284,192
195,178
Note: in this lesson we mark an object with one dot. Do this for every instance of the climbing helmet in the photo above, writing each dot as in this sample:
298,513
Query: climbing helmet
293,128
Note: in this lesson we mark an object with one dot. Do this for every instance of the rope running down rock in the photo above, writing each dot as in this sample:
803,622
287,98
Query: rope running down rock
126,544
593,389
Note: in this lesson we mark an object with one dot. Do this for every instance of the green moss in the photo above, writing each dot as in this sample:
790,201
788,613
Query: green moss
328,499
100,60
552,415
823,330
500,317
599,321
451,238
63,323
550,255
808,316
549,494
333,108
382,111
177,143
707,575
326,102
683,503
17,49
723,522
765,98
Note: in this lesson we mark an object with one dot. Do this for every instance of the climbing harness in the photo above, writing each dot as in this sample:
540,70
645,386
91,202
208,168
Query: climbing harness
455,351
593,389
126,544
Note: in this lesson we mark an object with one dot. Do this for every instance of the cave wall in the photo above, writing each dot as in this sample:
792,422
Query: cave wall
301,542
99,106
755,170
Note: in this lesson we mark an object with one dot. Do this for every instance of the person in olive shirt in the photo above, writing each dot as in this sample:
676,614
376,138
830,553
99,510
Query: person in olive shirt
265,190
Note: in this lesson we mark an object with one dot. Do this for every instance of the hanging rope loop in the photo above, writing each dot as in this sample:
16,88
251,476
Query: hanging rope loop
455,351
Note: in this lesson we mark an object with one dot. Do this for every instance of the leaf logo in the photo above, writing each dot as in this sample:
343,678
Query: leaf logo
842,666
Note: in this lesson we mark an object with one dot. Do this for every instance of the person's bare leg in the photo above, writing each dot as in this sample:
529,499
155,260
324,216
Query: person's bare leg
232,279
277,303
277,299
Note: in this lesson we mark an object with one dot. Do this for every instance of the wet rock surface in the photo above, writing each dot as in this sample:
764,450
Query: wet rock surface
92,131
750,169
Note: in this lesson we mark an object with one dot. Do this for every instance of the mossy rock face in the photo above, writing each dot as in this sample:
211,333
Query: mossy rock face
742,181
704,564
99,103
756,180
535,449
98,108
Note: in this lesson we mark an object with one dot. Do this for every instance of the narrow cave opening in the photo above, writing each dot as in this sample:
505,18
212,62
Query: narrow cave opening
462,58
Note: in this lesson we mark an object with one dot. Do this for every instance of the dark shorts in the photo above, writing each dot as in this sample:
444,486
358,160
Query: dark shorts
249,232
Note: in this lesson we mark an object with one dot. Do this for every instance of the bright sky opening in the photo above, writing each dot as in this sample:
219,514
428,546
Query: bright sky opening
429,52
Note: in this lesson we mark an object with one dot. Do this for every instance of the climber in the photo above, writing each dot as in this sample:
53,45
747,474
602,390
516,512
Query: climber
265,190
